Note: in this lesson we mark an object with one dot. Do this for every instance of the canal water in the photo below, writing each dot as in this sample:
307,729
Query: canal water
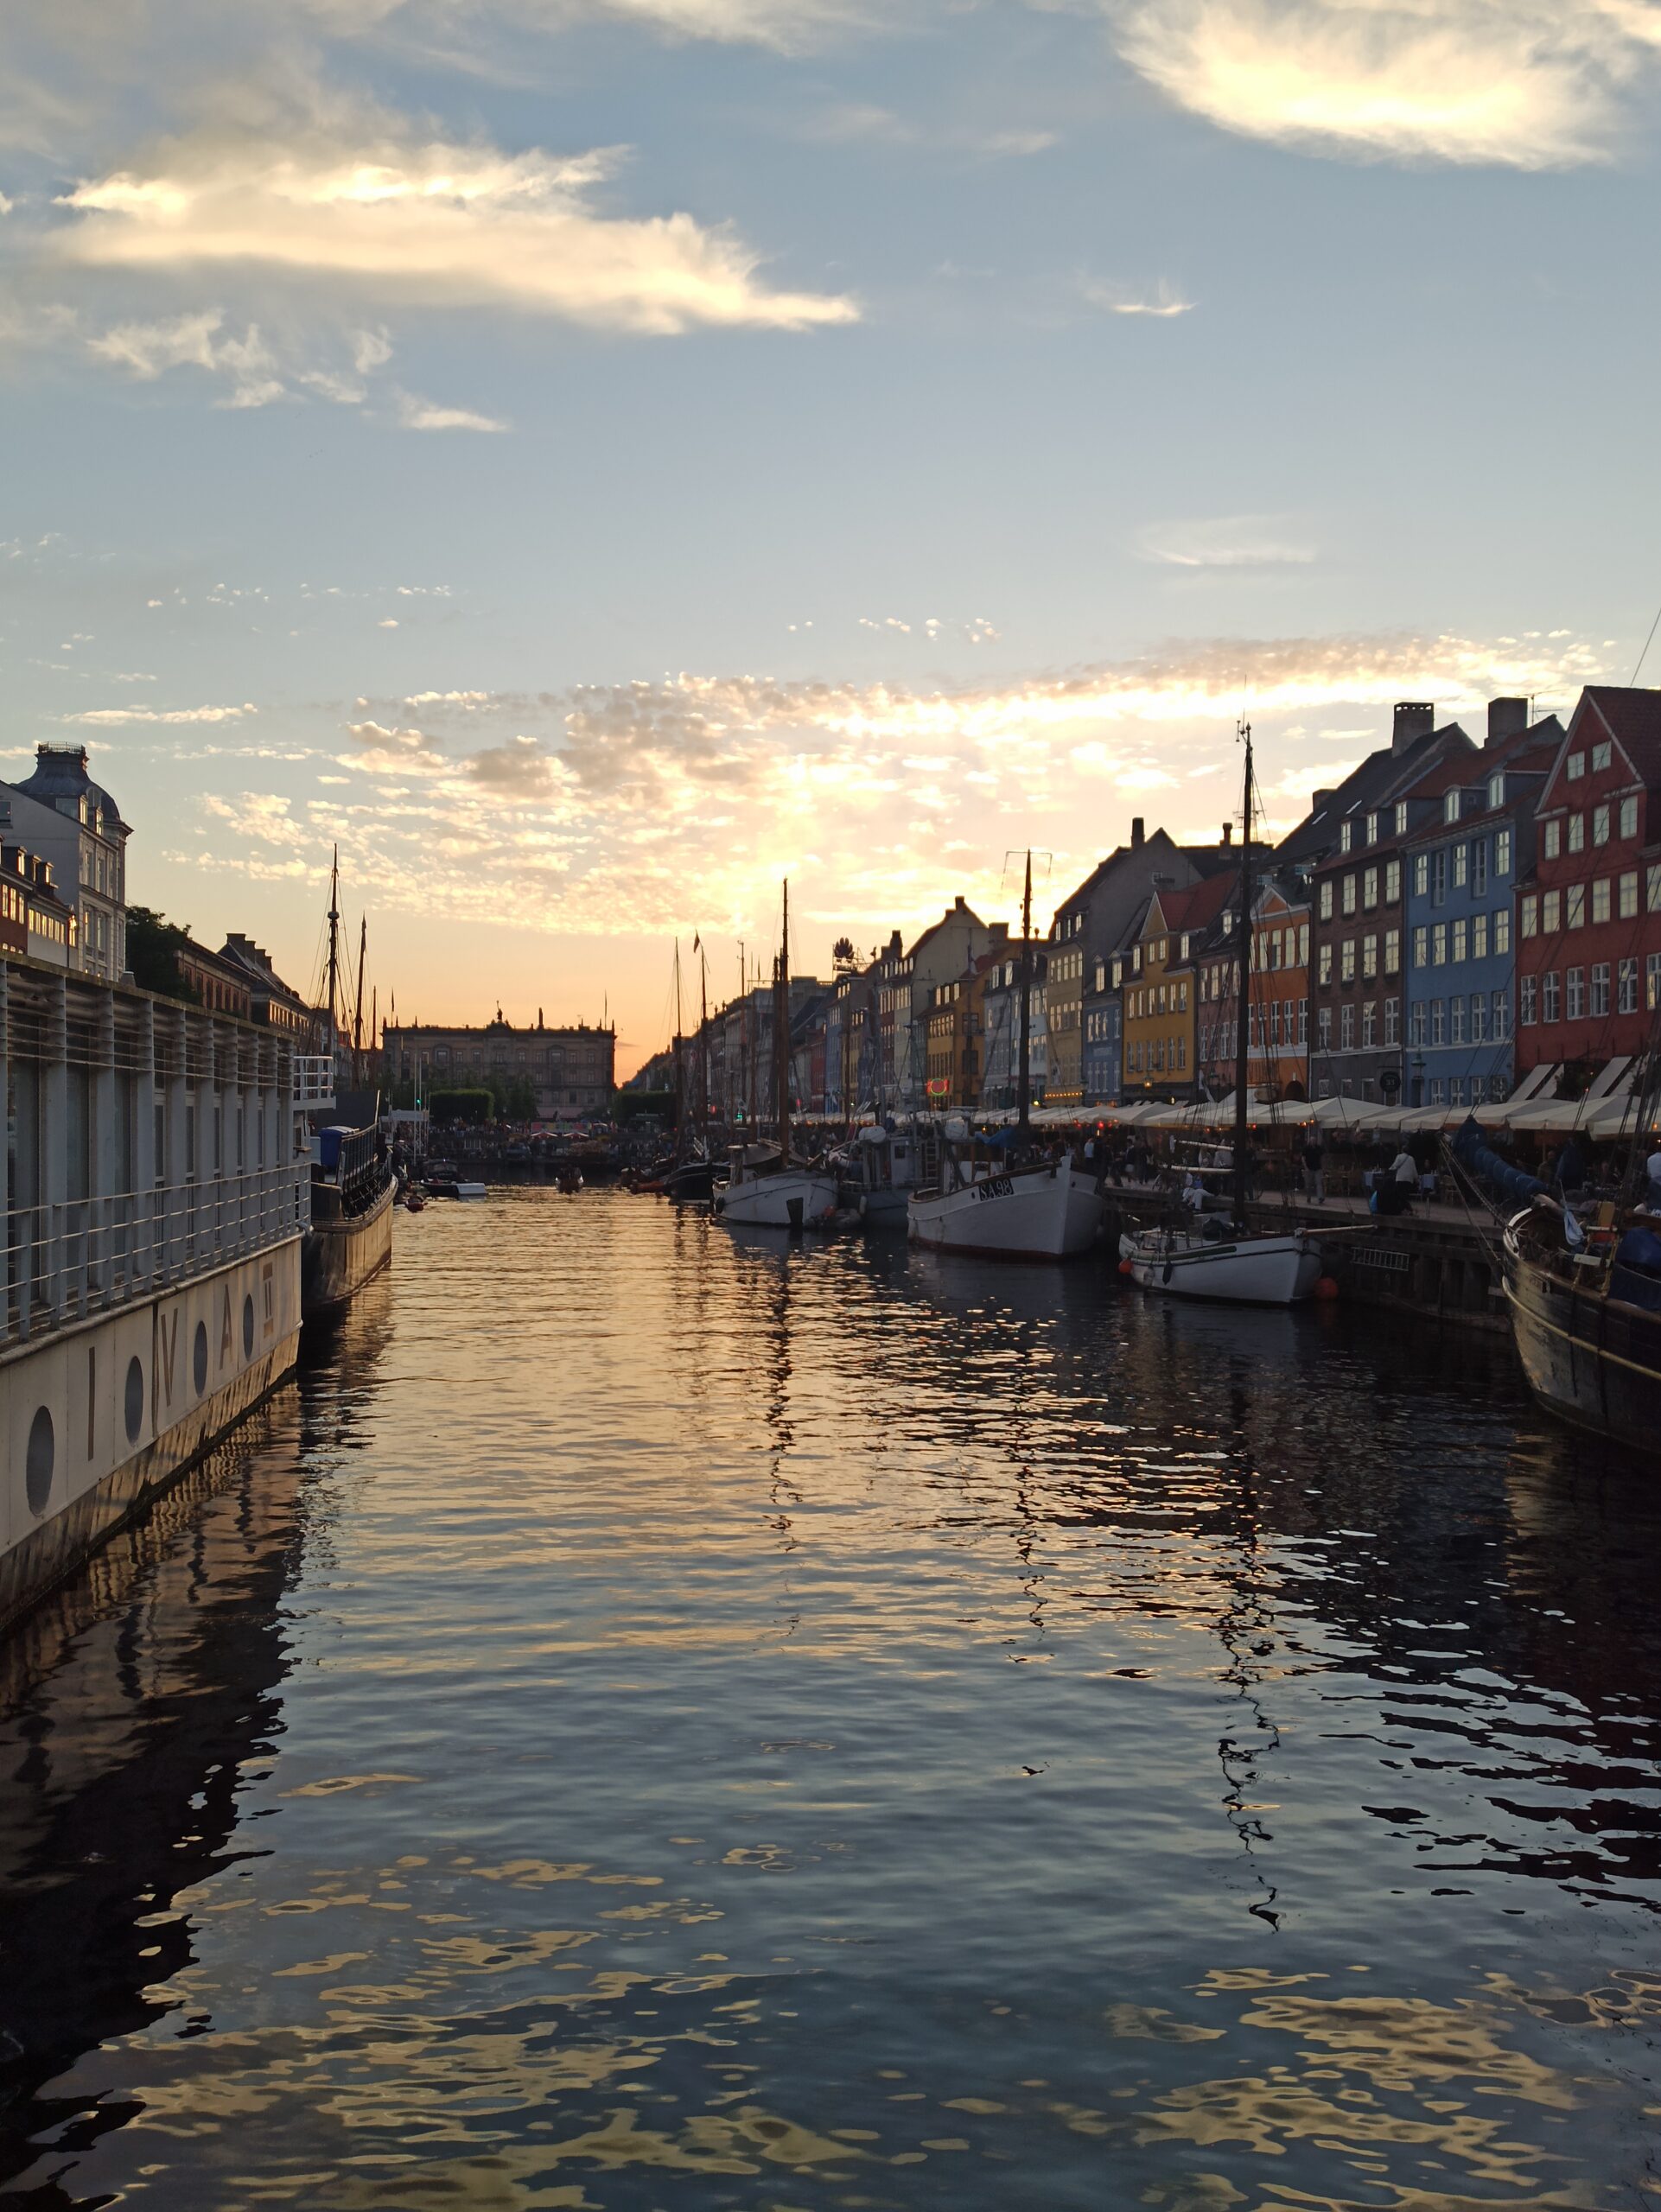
655,1721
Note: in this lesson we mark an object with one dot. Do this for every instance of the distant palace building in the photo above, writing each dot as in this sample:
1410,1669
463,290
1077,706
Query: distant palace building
62,816
571,1069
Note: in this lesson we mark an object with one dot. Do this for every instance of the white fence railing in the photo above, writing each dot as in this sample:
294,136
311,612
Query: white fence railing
314,1081
67,1261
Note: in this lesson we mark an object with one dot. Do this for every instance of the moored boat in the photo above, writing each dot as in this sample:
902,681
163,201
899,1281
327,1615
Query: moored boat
1245,1270
1587,1319
765,1187
1045,1210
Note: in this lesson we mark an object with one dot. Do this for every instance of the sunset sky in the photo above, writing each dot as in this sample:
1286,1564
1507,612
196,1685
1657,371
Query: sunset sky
593,458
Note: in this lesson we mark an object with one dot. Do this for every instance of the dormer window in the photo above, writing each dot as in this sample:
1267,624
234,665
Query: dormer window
1372,829
1575,767
1450,806
1401,817
1496,791
1344,839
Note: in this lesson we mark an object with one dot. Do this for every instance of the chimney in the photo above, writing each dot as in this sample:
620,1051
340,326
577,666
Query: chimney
1414,718
1135,831
1320,801
1228,833
1506,718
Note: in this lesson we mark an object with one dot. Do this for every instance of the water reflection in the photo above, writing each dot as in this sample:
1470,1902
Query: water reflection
659,1718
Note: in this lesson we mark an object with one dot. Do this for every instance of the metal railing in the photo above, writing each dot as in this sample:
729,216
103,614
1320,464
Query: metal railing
65,1261
314,1080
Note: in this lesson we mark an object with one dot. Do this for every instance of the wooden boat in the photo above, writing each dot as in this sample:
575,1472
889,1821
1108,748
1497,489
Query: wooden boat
765,1187
1229,1261
1587,1319
1045,1210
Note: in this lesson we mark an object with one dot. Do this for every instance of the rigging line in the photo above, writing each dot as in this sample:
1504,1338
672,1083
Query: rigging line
1648,642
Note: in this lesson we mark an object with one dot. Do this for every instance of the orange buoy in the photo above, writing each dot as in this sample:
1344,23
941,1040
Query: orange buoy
1124,1266
1326,1287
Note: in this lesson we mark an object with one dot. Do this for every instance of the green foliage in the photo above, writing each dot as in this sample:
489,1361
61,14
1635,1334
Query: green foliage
627,1105
468,1106
153,948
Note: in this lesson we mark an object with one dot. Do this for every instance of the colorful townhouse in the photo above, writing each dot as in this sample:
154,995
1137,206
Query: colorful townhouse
1462,873
1277,1003
1589,922
1162,988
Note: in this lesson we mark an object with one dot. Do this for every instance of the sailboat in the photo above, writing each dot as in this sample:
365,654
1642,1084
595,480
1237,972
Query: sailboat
693,1172
1230,1263
349,1235
766,1188
1046,1208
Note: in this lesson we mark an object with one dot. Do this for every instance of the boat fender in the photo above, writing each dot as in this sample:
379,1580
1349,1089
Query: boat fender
1327,1289
1125,1267
1169,1271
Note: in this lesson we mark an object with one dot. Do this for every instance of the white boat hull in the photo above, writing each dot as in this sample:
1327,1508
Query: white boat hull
790,1199
1246,1270
1042,1213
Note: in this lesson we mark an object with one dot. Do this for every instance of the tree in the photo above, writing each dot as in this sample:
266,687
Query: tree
154,945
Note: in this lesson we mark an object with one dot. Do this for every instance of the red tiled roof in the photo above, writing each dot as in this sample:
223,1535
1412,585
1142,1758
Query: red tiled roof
1199,903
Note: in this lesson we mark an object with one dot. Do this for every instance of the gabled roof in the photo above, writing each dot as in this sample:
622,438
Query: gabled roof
1317,833
1632,717
1196,906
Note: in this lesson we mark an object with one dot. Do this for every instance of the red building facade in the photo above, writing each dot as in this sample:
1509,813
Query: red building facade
1588,924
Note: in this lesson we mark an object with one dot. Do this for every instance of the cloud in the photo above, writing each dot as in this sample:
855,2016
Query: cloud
1230,542
364,201
1529,84
520,766
257,372
857,122
788,25
415,414
1165,305
112,717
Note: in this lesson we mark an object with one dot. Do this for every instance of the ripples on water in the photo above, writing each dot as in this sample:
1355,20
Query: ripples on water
656,1720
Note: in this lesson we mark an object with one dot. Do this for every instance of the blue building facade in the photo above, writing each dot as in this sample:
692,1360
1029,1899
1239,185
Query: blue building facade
1462,875
1103,1038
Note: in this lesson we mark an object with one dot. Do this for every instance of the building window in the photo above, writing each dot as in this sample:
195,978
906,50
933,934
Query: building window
1479,937
1502,852
1479,1017
1392,1022
1346,1029
1599,989
1575,767
1392,882
1459,935
1602,754
1501,1009
1326,900
1439,945
1626,987
1600,825
1456,1021
1552,913
1552,839
1501,930
1303,1021
1628,895
1346,960
1421,875
1577,832
1415,1023
1370,1022
1401,817
1461,866
1349,894
1436,1092
1450,806
1422,948
1574,906
1652,982
1496,791
1324,1026
1479,866
1456,1090
1600,900
1370,888
1629,817
1369,955
1575,978
1438,1022
1550,996
1392,952
1527,1000
1439,876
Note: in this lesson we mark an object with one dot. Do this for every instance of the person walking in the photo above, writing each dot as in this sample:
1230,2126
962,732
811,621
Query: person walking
1404,1174
1314,1179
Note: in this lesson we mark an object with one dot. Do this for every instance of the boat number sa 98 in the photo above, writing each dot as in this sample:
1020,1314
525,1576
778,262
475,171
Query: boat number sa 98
997,1186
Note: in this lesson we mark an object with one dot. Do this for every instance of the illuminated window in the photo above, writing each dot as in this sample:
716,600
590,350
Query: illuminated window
1575,767
1600,825
1552,839
1629,817
1628,895
1574,906
1577,832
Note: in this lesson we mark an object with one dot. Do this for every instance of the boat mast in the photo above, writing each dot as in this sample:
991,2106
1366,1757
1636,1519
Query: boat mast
680,1075
333,950
1243,1009
704,1044
781,1031
1024,1091
357,1007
